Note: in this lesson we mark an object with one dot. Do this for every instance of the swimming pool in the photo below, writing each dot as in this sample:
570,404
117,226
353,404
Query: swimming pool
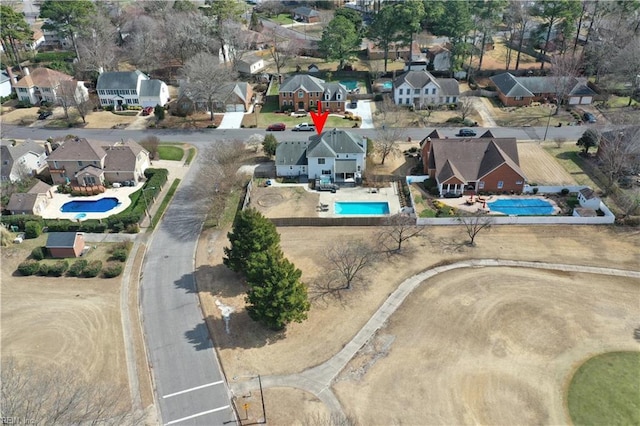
349,84
521,206
387,85
361,207
94,206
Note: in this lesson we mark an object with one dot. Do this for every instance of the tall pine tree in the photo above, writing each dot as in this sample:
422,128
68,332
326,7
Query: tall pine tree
252,233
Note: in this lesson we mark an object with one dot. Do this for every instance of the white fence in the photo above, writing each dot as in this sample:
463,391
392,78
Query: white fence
608,217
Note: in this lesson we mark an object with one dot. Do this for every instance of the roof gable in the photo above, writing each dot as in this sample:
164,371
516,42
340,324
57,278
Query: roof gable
305,82
61,239
78,149
42,77
120,80
291,153
334,142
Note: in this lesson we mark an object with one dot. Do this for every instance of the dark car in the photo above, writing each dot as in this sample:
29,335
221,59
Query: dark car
588,117
276,127
44,114
466,132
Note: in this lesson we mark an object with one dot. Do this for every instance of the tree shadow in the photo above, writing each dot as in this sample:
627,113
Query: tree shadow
327,290
241,332
199,337
219,281
187,283
450,245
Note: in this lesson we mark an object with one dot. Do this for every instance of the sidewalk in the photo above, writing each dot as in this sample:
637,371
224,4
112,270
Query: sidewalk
177,170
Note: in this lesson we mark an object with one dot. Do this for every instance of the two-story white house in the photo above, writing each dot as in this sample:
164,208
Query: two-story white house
335,154
421,89
20,160
45,85
131,88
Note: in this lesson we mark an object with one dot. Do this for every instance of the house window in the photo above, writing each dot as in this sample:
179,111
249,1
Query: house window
426,91
55,165
310,103
79,163
400,92
518,98
481,184
326,104
433,91
518,182
339,96
320,160
416,91
406,101
301,94
326,172
447,99
500,184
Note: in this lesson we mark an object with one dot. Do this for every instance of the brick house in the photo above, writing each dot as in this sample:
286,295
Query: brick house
65,244
303,92
521,91
305,14
79,161
396,51
472,166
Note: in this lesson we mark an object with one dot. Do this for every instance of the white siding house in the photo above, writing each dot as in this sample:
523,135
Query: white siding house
132,88
421,89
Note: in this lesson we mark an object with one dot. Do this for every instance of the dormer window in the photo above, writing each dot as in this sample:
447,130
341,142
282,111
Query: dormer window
339,96
326,96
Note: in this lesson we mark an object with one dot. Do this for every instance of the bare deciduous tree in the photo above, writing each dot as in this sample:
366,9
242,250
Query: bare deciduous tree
282,49
389,112
563,73
349,259
151,143
98,45
188,35
145,41
272,7
618,154
473,225
61,397
205,80
398,229
387,140
465,106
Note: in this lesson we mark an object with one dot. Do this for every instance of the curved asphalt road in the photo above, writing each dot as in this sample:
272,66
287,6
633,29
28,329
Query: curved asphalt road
190,388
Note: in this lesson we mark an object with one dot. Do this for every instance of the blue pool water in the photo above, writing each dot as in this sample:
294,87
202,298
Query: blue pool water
95,206
387,85
521,207
352,207
350,84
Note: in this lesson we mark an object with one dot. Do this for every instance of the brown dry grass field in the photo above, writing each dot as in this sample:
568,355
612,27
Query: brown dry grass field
540,167
58,322
492,345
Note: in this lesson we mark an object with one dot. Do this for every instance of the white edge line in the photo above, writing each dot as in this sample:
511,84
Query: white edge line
193,389
197,415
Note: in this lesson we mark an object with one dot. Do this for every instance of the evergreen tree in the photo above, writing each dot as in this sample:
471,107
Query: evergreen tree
67,18
340,40
269,145
252,234
590,138
276,296
13,31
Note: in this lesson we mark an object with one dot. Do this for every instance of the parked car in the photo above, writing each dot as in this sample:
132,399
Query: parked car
304,127
353,104
147,110
276,127
588,117
466,132
44,114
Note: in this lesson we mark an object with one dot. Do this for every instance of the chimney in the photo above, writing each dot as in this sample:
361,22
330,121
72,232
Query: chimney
47,148
25,70
12,76
100,70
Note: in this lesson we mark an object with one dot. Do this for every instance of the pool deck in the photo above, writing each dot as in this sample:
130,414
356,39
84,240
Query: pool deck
479,206
387,194
53,210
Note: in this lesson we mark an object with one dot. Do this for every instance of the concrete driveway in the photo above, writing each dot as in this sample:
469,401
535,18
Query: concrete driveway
364,111
231,120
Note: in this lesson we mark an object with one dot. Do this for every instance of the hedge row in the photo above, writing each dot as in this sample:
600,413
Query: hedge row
80,268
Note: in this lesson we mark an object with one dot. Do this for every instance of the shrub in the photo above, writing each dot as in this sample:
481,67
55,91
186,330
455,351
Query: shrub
535,190
28,267
132,228
58,268
92,269
112,270
32,229
378,97
38,253
108,108
117,227
119,255
564,191
76,269
43,269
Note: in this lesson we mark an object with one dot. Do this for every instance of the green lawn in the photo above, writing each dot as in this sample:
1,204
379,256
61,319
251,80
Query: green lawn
165,202
282,19
172,153
191,154
606,390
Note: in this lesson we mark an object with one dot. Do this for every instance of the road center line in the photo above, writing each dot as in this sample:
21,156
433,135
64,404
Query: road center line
193,389
197,415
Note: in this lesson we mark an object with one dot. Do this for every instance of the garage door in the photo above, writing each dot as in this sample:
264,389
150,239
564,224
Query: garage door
586,100
574,100
235,108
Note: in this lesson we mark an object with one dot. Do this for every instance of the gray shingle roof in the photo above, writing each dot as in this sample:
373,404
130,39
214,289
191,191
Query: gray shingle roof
78,149
333,89
120,80
333,142
472,159
291,153
509,86
303,81
240,89
10,153
61,239
419,79
22,202
40,188
150,88
305,11
512,86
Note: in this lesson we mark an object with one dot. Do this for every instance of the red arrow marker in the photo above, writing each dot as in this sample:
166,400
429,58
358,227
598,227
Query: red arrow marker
319,118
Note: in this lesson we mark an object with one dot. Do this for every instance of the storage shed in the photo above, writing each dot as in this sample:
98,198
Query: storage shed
65,244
